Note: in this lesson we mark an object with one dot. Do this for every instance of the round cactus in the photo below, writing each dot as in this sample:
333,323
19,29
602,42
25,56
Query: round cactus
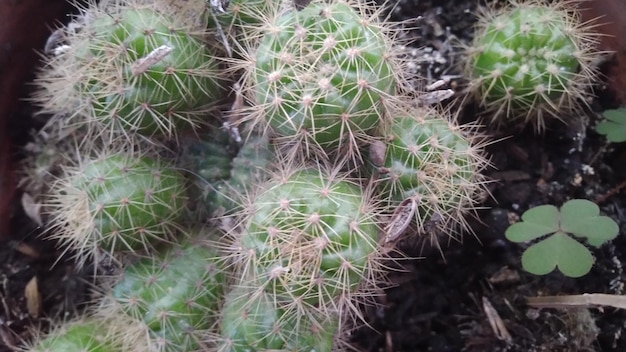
320,76
130,69
116,201
253,321
310,235
434,163
174,295
86,335
531,60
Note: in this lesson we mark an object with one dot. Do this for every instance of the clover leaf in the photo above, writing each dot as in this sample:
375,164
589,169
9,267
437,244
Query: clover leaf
614,127
560,233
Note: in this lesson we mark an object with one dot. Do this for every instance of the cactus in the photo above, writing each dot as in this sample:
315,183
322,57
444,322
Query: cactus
208,155
250,167
87,335
434,162
319,77
531,60
224,174
117,201
130,69
310,235
245,13
253,322
174,295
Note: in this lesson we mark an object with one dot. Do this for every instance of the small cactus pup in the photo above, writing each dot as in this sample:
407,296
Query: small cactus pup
128,68
85,335
431,171
251,167
207,158
224,172
172,297
319,77
116,201
310,234
254,321
532,60
245,13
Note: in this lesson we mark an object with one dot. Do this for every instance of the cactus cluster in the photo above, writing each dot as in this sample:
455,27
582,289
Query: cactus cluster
300,220
309,243
80,335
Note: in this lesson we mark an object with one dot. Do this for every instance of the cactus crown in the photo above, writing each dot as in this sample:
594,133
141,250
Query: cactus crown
531,60
116,201
130,68
319,76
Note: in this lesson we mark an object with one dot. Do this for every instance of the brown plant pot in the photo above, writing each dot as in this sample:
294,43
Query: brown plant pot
24,28
611,17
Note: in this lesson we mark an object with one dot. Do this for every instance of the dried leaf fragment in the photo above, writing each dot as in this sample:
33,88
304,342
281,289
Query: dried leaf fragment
33,298
402,216
31,208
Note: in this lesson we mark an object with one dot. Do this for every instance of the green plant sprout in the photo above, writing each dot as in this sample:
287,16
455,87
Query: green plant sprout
614,125
561,232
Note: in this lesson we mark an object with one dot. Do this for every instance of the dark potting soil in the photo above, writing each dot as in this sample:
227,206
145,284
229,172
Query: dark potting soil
439,303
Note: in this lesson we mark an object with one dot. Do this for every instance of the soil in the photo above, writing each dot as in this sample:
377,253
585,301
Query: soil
440,302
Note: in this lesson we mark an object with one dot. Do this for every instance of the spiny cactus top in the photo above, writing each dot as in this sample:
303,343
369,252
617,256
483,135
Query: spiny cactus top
312,236
320,75
89,335
175,294
255,321
530,60
116,202
130,68
431,161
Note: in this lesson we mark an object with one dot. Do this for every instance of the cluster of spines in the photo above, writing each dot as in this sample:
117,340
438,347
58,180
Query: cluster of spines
166,302
430,167
173,297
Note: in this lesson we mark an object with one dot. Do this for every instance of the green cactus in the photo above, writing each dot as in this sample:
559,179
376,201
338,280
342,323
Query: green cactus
320,76
531,60
225,174
131,69
116,201
253,321
176,294
434,162
85,335
209,155
311,235
250,167
245,13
